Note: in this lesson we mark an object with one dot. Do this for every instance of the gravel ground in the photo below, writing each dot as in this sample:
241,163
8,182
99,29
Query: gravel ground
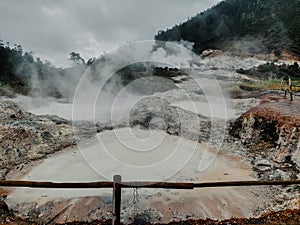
288,217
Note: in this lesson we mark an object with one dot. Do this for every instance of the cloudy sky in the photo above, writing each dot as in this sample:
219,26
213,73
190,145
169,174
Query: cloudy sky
54,28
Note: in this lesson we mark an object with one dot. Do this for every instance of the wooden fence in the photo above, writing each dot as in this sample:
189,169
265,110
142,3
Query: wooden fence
117,186
287,86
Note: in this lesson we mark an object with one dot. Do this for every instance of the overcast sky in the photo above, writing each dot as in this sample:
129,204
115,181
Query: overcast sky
54,28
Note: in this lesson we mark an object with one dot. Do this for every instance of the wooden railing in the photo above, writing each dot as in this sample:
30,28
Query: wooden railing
117,185
287,86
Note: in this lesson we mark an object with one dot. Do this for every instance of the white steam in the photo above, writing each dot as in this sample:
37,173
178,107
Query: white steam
90,93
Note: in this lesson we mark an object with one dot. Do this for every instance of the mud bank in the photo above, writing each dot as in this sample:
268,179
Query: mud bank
26,138
270,136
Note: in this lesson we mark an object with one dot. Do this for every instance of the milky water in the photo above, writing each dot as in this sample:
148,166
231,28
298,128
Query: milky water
103,111
209,106
45,106
135,153
211,109
145,155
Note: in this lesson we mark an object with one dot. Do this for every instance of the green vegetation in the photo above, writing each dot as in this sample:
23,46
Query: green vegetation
245,26
269,84
248,89
274,84
271,70
12,65
21,73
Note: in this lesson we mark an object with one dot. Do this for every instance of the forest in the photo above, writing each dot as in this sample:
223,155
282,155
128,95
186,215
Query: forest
263,25
22,73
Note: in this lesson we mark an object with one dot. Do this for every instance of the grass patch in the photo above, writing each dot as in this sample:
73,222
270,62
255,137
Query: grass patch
251,89
272,84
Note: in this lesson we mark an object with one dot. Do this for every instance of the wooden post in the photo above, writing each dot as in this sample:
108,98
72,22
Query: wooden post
117,179
291,89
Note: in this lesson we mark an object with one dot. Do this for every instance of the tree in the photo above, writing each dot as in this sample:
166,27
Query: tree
19,49
76,58
91,61
28,57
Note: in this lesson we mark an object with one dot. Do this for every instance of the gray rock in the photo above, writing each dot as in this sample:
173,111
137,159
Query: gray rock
157,113
26,137
263,163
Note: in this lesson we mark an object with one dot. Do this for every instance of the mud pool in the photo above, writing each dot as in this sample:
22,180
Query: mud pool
157,161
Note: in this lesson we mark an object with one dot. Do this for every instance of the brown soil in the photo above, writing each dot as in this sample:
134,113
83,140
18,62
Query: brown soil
281,217
271,134
274,123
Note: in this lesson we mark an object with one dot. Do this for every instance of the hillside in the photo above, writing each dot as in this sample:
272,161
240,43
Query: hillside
252,26
22,73
14,69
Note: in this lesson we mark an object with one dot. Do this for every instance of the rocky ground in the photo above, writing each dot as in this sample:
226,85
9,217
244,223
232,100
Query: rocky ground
270,131
268,140
288,217
271,137
26,138
267,135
